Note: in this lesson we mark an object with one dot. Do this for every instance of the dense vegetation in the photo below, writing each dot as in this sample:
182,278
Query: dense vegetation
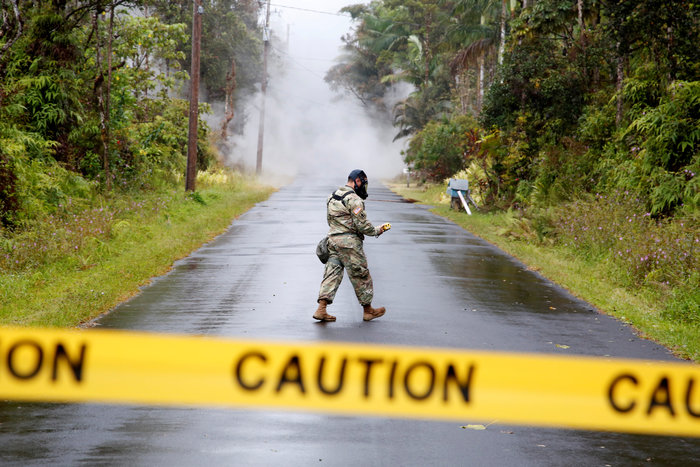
93,108
91,97
582,117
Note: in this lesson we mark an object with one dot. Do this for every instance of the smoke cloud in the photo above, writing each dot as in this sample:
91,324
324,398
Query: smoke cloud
309,129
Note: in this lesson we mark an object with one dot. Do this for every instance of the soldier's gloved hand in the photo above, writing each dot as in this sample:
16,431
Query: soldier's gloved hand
384,228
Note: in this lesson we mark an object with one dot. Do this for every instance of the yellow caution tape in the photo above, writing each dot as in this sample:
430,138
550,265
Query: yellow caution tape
352,379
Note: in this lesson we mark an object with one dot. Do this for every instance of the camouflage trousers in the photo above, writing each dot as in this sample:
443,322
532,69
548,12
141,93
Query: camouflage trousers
346,252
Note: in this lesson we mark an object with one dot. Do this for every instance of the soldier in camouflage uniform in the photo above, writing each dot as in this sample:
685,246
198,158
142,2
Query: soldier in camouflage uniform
348,224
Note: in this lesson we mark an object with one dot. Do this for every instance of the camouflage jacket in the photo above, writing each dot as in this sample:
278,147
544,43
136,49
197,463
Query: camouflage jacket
348,215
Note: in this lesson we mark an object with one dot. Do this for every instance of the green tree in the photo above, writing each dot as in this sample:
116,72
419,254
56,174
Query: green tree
368,54
578,95
230,33
85,94
476,36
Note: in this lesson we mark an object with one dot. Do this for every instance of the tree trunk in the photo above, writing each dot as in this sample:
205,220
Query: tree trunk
108,97
480,86
582,40
228,103
8,191
101,105
502,45
618,85
427,53
7,27
671,75
462,87
579,5
594,26
480,82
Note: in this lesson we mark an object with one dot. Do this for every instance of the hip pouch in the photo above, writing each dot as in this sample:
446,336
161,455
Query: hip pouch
322,250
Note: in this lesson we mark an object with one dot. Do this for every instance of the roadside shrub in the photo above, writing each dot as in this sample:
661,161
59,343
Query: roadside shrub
443,148
663,253
664,154
684,304
596,125
43,186
72,231
149,152
77,229
219,177
8,195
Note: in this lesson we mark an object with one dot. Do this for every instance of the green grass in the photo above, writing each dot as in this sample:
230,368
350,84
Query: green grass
596,279
140,241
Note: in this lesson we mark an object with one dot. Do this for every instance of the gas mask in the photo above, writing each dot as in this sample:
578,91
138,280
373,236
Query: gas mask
362,189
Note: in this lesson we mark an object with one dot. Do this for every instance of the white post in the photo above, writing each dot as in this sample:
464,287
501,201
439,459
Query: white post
464,203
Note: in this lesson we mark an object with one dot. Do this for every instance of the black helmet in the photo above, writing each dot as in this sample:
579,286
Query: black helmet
358,173
362,189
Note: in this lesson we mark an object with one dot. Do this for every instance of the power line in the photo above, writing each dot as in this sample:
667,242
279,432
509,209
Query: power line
308,70
310,10
327,105
333,60
296,57
293,60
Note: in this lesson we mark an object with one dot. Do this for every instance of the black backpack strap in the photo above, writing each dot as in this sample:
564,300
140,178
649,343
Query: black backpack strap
341,198
337,197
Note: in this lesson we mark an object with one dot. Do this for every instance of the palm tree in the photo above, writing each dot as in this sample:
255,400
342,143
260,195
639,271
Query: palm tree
413,113
366,60
480,32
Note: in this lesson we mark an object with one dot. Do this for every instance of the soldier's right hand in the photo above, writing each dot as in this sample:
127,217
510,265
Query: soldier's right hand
385,227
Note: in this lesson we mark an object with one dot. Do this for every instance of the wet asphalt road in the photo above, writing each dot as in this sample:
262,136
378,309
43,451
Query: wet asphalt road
442,288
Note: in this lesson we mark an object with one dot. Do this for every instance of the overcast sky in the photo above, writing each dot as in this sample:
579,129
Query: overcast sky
314,36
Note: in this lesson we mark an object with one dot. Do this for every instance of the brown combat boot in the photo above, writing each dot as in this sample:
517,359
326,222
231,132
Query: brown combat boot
371,313
321,313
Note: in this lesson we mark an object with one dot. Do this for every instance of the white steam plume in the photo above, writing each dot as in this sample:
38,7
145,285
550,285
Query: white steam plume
308,130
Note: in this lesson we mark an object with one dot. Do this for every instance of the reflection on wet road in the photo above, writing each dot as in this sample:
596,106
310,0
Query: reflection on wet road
442,288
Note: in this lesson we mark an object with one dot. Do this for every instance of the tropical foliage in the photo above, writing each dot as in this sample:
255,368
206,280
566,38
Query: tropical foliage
92,96
572,96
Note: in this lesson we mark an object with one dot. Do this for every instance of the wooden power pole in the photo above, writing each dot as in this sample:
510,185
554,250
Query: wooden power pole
191,174
261,127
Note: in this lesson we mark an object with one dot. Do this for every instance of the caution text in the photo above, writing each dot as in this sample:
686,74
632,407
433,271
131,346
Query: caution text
27,359
379,377
630,393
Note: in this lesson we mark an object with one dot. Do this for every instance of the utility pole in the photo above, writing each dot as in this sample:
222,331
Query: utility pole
261,127
191,174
